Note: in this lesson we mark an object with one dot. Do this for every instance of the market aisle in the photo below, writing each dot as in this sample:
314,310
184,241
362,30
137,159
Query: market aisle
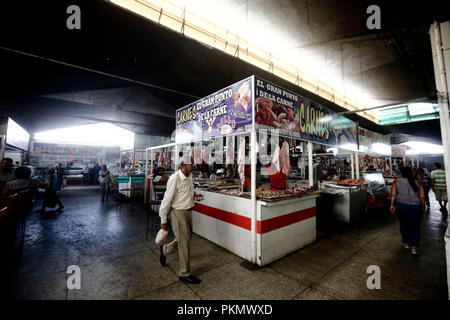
118,263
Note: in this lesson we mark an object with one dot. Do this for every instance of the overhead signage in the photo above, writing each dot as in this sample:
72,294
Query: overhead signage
224,112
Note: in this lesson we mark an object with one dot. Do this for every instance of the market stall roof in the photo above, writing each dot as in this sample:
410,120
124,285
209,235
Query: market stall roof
390,65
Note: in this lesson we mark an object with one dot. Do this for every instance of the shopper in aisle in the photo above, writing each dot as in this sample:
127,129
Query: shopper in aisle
51,198
22,182
60,174
96,172
105,182
408,201
86,174
6,171
424,179
178,201
439,186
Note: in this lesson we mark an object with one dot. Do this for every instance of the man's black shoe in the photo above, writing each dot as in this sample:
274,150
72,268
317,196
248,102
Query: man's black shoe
162,257
190,279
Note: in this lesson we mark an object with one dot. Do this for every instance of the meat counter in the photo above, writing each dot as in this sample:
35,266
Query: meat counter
283,226
345,203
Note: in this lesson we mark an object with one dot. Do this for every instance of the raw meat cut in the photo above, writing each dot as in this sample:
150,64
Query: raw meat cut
276,158
230,152
284,158
241,160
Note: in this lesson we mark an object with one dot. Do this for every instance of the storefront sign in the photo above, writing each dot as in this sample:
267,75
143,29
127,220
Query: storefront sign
398,150
300,117
227,111
40,147
374,143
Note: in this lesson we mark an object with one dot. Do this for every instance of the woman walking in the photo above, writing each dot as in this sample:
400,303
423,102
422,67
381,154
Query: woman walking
105,182
408,201
51,198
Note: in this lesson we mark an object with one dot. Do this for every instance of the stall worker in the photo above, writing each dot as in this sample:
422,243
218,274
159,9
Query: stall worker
277,179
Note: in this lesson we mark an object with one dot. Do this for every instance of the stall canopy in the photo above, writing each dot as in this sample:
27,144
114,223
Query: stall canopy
254,103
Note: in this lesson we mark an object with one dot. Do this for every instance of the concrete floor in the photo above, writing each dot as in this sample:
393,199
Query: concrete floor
118,263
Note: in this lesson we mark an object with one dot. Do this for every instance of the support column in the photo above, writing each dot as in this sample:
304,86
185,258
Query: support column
253,195
310,164
442,88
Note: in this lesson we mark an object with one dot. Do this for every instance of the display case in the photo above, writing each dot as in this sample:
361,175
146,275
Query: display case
377,190
344,203
74,176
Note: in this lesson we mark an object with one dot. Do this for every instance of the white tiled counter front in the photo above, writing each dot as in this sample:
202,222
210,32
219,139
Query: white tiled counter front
447,251
282,226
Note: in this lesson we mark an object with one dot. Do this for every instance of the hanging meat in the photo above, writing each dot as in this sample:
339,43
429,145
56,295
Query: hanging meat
230,152
285,163
276,158
241,160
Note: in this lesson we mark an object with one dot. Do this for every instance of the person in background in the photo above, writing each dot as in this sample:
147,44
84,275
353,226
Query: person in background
105,182
60,174
395,170
96,172
439,187
86,174
178,202
408,201
424,179
6,171
50,196
22,182
277,179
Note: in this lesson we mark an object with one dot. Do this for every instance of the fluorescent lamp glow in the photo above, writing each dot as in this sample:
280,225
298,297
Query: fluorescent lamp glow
16,135
381,148
99,134
334,150
417,148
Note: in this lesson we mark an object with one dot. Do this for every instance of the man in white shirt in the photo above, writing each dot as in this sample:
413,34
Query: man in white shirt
179,200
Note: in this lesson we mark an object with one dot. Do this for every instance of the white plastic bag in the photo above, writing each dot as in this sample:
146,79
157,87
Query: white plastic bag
161,236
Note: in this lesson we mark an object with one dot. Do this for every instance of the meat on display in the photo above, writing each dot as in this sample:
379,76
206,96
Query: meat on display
241,160
275,115
276,158
284,158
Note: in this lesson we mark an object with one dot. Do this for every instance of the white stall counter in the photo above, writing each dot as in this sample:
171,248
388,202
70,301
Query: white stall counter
282,227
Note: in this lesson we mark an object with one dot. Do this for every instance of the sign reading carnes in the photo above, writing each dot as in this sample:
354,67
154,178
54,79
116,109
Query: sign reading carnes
226,111
297,116
186,115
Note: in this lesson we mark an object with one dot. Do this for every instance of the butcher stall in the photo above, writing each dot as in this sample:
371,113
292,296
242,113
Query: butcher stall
252,145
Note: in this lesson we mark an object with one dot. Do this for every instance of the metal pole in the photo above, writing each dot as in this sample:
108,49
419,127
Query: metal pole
352,164
390,164
146,176
253,193
357,164
310,164
443,104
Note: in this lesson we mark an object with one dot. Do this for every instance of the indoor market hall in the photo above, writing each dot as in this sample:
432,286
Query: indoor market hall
234,152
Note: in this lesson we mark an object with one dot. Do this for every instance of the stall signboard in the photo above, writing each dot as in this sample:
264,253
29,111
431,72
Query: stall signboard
297,116
398,151
42,147
224,112
374,143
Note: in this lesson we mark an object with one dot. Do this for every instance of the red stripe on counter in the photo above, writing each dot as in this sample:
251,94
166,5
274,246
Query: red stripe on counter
223,215
285,220
261,227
